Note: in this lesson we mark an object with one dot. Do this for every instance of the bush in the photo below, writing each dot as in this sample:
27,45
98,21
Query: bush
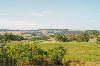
55,55
83,37
26,54
4,55
61,38
35,38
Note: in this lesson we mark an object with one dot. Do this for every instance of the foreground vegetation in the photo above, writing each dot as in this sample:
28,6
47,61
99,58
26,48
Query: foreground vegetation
49,53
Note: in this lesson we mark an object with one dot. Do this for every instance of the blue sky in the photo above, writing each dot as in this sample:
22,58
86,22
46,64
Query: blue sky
36,14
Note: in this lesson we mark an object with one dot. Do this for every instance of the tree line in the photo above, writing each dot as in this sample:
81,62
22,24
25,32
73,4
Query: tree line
82,37
7,37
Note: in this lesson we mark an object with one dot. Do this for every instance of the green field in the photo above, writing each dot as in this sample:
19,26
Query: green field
83,51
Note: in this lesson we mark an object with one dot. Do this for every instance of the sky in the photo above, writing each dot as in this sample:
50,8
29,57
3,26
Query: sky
50,14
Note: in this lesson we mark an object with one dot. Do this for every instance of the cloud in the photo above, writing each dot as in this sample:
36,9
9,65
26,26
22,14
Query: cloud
90,18
37,14
47,12
16,24
44,13
93,20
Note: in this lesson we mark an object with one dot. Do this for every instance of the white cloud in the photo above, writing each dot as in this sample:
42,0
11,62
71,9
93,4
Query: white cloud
93,20
44,13
13,24
90,18
37,14
48,12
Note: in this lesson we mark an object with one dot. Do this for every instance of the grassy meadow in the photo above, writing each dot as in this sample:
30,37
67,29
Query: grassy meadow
83,51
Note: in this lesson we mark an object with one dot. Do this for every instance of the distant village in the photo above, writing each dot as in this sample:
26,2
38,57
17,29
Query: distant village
42,31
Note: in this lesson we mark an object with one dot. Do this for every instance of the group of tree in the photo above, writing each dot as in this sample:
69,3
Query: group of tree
7,37
61,38
82,37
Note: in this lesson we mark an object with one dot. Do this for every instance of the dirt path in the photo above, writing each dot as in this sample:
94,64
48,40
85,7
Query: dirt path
83,64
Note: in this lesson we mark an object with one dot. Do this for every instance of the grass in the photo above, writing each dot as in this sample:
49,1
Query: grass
84,51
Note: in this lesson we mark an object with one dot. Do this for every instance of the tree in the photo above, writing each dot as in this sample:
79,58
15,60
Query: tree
12,37
2,39
61,38
56,54
3,54
72,37
84,37
24,54
92,32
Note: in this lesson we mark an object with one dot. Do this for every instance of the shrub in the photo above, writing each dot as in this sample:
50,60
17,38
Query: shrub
61,38
27,54
35,38
55,55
